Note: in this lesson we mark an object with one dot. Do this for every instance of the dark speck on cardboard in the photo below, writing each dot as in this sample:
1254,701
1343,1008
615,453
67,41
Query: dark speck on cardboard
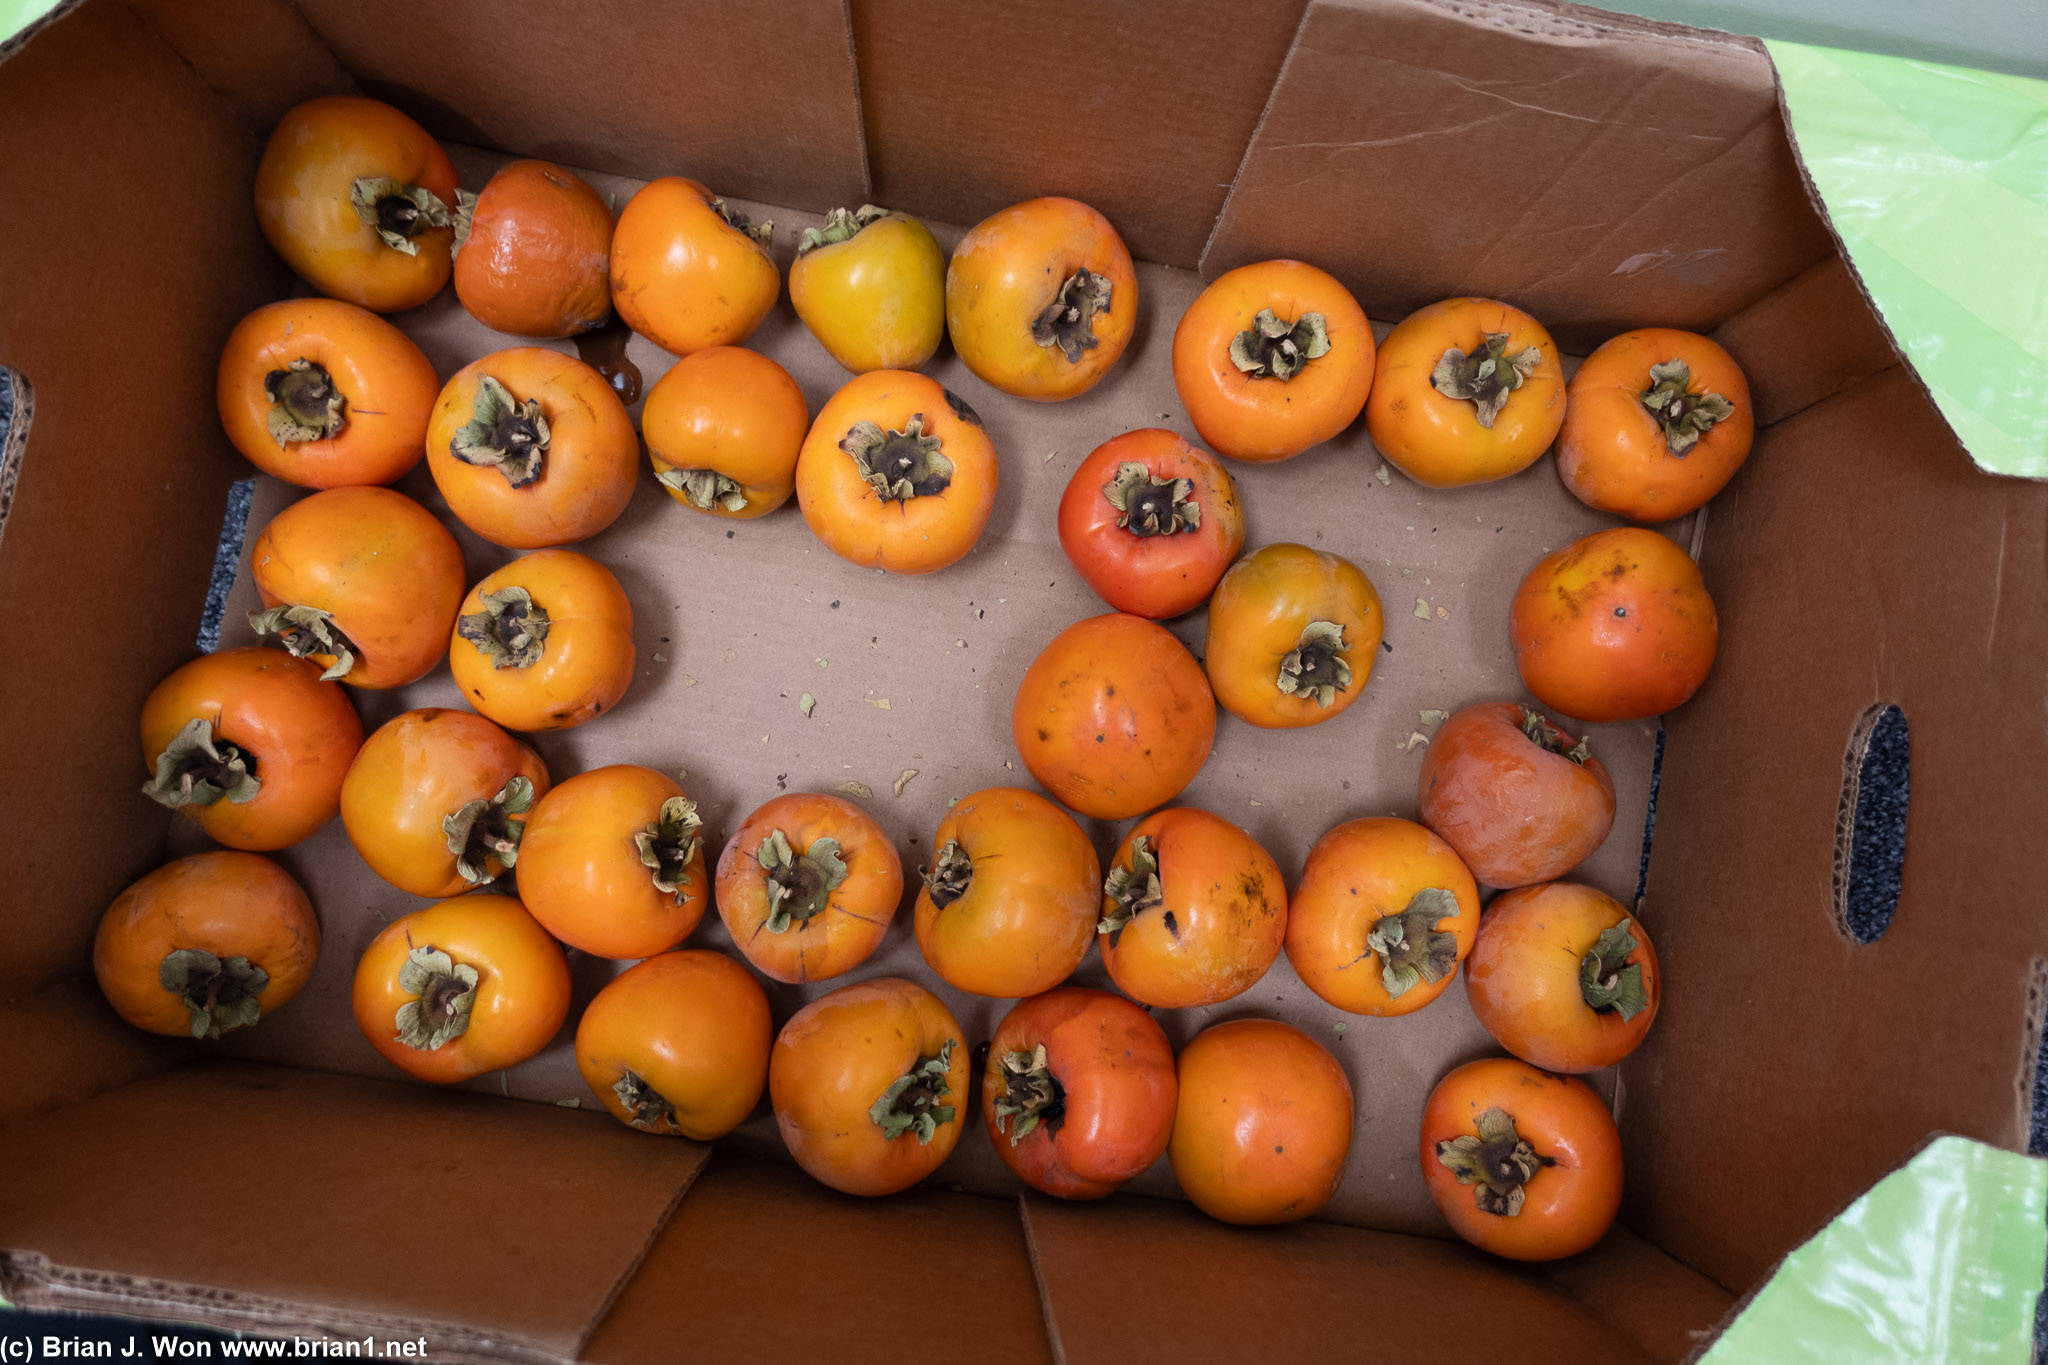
1387,645
835,604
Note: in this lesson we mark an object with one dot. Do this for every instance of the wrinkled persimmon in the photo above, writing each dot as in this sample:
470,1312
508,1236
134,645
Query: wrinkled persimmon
1658,421
1293,635
689,271
724,427
1262,1123
1563,977
1521,800
1465,391
1151,523
612,862
545,643
1193,911
807,887
533,252
678,1045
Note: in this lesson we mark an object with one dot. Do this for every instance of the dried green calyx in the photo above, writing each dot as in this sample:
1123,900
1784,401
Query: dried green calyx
902,464
503,432
1031,1096
1608,980
465,220
307,631
219,993
1273,349
397,211
952,872
195,769
667,846
486,831
739,222
799,884
1487,376
511,630
840,225
1496,1160
304,404
650,1109
1685,416
1068,322
1316,667
1149,506
911,1103
445,991
1411,949
1132,890
704,489
1545,735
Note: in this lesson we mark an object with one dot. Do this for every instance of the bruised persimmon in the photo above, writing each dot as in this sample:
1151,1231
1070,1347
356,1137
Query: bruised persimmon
724,427
533,252
678,1044
1659,421
612,861
1563,977
871,286
545,643
807,887
1520,799
1151,523
689,271
1465,391
1193,910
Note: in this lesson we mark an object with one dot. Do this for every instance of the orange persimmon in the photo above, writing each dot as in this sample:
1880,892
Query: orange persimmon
612,862
724,427
1520,799
533,252
1262,1123
1563,977
678,1044
807,887
1151,523
688,270
1193,911
545,643
1658,421
1293,635
1465,391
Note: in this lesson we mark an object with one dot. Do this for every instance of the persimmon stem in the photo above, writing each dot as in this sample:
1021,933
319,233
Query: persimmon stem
799,884
1486,377
1684,415
740,223
841,225
306,631
1134,889
650,1109
1608,981
1496,1160
1316,667
1031,1096
304,404
952,873
1275,349
486,830
1544,733
1068,322
198,769
219,994
902,464
704,489
1151,506
398,212
511,631
444,992
667,846
1411,949
911,1103
504,433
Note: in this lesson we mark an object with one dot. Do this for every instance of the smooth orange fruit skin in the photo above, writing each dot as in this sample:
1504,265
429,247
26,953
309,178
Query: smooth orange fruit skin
694,1026
1114,717
1567,1206
299,735
682,276
1524,978
848,930
388,572
537,261
1264,419
835,1058
410,775
522,989
1616,626
1008,270
733,411
876,301
586,661
1257,615
1437,441
1222,893
388,382
1262,1124
228,904
314,156
1153,576
1516,812
1114,1068
1611,453
1357,873
580,872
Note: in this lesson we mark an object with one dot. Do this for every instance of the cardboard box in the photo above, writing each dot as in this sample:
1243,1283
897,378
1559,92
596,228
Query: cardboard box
1602,172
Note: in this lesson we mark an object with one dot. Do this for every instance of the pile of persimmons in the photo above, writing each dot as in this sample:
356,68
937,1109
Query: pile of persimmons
534,450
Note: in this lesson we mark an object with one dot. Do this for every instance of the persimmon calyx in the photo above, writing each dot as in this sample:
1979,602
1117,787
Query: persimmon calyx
902,464
445,992
667,846
1485,377
484,830
911,1103
952,873
511,631
1068,322
1608,980
503,432
196,769
1316,666
1149,506
465,220
1031,1096
648,1107
1496,1160
704,489
1273,349
1132,890
1684,415
799,884
304,404
759,233
396,211
219,993
1411,949
307,631
1543,732
841,225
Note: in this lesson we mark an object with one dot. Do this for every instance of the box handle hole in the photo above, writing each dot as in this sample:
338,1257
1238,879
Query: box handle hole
1870,826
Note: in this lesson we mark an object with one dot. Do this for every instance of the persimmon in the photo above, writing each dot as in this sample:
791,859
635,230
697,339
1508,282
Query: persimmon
1520,799
871,286
1041,299
324,394
1114,717
1293,636
206,945
362,580
533,252
1658,421
532,448
1465,391
1271,359
251,744
1563,977
807,887
1078,1092
1151,523
1384,913
1615,626
1262,1123
461,987
436,800
612,861
1009,906
545,643
689,271
1521,1163
1193,910
869,1084
678,1044
357,198
724,427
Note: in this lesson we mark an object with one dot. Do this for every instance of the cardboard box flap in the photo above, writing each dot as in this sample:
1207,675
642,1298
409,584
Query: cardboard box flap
1811,337
65,1042
260,55
498,1229
1654,1301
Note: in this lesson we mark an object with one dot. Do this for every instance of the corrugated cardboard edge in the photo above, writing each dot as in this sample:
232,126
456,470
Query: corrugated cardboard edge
22,38
654,1231
1052,1324
860,122
15,442
1251,143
